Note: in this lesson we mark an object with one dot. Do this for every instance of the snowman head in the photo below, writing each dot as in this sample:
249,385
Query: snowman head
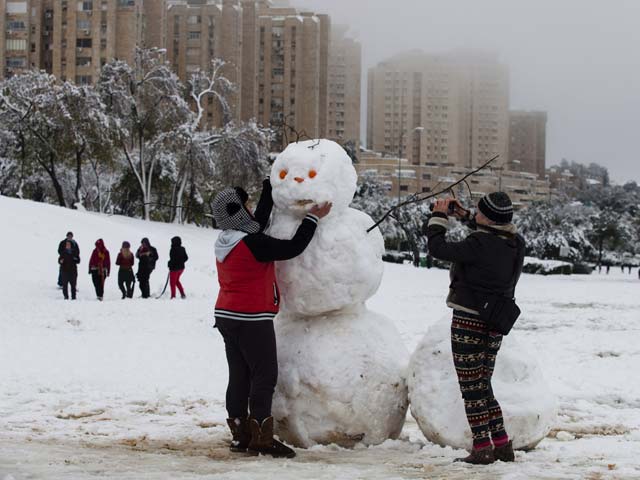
313,172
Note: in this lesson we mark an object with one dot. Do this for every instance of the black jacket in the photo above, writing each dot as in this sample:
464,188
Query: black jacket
69,261
74,247
488,261
147,259
268,249
177,255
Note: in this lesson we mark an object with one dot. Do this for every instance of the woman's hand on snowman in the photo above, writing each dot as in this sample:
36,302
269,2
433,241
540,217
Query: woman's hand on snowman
321,211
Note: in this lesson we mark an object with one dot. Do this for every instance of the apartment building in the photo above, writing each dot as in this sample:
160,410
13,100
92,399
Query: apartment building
448,110
20,36
345,72
199,31
292,72
527,141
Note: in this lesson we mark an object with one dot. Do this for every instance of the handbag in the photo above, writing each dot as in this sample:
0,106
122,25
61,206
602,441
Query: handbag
499,311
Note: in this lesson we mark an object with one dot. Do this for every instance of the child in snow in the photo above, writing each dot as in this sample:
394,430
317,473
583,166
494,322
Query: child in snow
488,262
126,279
69,259
247,303
147,256
99,267
177,258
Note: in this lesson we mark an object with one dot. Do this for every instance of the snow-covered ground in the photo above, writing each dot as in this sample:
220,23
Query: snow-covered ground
134,389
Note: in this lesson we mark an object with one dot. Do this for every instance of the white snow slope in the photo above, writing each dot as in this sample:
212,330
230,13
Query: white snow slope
134,389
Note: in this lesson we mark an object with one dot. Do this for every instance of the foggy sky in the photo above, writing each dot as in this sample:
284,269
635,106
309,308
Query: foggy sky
577,59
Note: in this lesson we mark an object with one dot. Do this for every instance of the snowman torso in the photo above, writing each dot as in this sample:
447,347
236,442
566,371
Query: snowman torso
342,265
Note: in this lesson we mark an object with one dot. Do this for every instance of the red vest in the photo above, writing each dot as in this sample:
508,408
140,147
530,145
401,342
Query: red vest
248,289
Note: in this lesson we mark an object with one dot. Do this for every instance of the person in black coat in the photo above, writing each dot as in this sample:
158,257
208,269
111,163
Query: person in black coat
147,256
177,258
488,262
68,260
62,247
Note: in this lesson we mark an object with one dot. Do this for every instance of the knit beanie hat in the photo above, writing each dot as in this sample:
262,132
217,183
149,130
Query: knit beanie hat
229,211
497,207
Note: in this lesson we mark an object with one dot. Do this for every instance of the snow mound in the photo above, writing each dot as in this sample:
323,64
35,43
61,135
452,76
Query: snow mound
313,171
528,405
341,266
341,379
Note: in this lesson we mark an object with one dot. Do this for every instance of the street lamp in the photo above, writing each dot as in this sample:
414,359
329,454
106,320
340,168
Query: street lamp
501,168
400,145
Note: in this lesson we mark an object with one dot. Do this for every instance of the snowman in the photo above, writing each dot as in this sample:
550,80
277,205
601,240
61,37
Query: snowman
341,367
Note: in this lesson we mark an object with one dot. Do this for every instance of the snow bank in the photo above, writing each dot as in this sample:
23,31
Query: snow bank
528,405
341,379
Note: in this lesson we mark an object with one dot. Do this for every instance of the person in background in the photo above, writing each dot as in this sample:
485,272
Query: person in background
487,262
247,303
62,246
126,278
68,261
147,256
99,267
177,258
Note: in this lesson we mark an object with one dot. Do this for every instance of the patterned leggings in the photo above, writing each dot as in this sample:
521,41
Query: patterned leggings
474,356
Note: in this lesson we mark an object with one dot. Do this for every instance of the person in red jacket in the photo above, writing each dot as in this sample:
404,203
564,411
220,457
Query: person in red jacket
99,267
247,303
126,278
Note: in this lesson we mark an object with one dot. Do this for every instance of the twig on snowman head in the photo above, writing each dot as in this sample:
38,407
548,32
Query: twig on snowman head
416,198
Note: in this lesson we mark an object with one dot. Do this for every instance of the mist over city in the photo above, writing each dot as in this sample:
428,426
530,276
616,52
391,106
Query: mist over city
319,239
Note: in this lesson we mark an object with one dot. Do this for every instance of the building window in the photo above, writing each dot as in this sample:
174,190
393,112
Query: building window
126,3
13,44
83,79
85,5
194,35
83,61
194,19
83,43
16,25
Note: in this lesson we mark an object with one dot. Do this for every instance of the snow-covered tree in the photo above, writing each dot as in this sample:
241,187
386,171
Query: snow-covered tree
148,104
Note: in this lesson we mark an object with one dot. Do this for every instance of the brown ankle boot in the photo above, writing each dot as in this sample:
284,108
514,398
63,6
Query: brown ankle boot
479,456
262,441
504,453
241,435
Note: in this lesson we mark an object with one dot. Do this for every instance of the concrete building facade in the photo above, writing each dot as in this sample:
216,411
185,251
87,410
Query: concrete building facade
345,72
439,110
20,36
528,141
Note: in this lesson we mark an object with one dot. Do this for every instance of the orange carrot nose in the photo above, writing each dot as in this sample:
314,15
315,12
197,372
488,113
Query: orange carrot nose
299,180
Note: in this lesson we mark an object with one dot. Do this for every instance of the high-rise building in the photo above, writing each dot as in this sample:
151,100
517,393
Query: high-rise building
20,36
528,141
447,110
199,31
345,64
292,72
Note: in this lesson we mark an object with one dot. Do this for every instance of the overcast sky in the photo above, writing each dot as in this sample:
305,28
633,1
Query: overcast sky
577,59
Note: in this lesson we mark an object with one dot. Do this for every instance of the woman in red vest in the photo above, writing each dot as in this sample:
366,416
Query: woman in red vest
99,266
247,304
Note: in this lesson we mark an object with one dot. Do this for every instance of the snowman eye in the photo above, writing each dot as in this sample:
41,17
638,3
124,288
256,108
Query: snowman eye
312,173
283,174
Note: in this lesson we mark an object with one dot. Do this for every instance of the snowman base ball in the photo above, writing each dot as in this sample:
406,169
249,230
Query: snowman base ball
528,406
341,379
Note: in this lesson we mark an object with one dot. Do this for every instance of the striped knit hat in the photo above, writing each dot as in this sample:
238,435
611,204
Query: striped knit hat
230,214
497,207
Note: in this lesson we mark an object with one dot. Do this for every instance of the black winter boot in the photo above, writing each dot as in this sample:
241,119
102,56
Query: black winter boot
241,435
479,456
504,453
262,441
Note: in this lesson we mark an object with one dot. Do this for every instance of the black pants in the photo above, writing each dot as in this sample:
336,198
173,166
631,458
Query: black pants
253,366
143,280
98,283
126,282
68,279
